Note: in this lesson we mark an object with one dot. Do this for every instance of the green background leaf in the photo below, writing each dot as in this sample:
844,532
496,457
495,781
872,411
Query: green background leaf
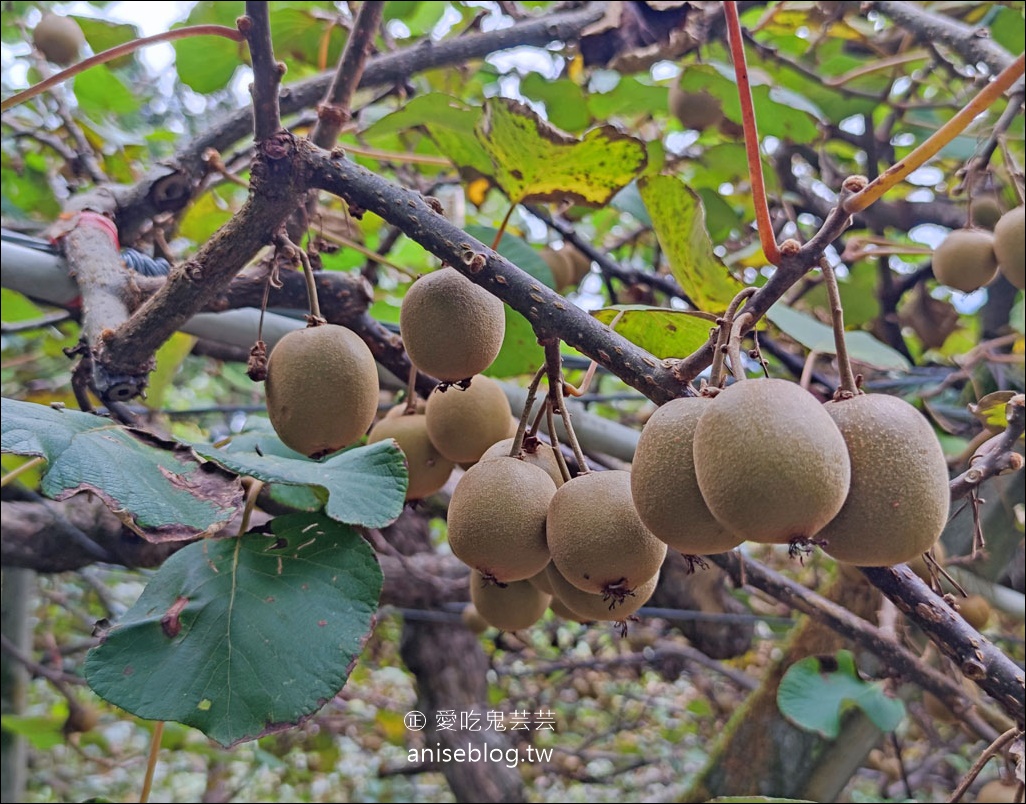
679,220
267,632
665,333
365,485
816,336
814,698
158,489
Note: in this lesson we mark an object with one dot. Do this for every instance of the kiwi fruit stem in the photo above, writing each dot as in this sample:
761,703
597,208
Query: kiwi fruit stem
848,387
564,470
532,393
411,392
554,369
723,336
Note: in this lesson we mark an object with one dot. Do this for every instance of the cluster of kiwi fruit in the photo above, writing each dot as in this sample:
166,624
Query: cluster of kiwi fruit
968,259
764,461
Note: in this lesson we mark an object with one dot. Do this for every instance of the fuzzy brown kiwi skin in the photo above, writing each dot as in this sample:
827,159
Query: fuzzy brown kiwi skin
497,519
771,464
428,469
899,497
322,389
509,608
965,259
694,110
541,456
596,538
590,607
58,38
1010,246
464,422
452,329
663,483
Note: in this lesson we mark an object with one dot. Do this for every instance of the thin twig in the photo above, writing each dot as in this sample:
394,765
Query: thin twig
989,752
116,53
941,137
334,112
267,72
848,387
151,761
744,90
30,464
525,415
554,370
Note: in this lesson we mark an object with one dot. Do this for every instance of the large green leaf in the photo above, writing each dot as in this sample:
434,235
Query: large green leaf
157,488
534,161
818,337
679,220
815,692
100,93
243,637
565,104
662,332
365,485
207,63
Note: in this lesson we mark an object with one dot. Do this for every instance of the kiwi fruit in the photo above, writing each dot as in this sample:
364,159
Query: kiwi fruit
541,580
473,620
588,607
568,265
509,607
420,406
322,389
998,791
1010,246
898,502
535,452
771,464
596,538
464,422
452,328
937,709
561,609
59,39
694,110
663,483
427,467
965,259
984,211
975,610
497,519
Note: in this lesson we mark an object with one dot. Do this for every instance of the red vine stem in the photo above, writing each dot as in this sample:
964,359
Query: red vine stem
117,52
941,137
744,91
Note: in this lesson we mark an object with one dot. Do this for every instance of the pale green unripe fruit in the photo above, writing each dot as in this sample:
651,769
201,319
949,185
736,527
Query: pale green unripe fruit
596,538
322,389
771,464
427,467
1010,246
464,422
597,607
965,259
497,519
452,329
508,608
664,485
898,502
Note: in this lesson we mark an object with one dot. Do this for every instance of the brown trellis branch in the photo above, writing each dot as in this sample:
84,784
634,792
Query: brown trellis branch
267,72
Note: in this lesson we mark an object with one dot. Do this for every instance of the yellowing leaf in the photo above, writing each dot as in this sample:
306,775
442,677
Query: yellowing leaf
679,221
662,332
533,161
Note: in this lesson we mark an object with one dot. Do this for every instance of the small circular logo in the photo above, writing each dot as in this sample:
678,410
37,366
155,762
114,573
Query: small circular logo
415,721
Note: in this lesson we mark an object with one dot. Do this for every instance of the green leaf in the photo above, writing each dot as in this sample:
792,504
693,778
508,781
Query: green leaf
157,488
662,332
101,93
365,485
629,98
533,161
814,693
450,123
103,35
679,220
992,410
44,733
169,357
818,337
1007,29
565,104
246,636
207,63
